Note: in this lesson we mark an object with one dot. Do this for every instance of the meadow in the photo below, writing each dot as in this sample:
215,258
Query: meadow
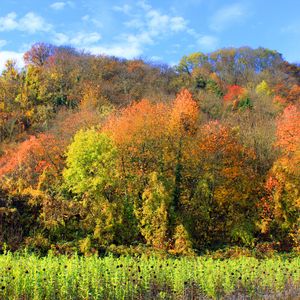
60,277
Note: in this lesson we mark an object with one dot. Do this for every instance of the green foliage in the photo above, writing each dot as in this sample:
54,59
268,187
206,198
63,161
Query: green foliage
245,103
213,87
188,63
154,214
263,89
90,163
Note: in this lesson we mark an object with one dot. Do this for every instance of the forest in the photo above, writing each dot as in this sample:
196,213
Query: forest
100,154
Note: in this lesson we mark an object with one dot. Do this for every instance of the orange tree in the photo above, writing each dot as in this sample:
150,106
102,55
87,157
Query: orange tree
280,208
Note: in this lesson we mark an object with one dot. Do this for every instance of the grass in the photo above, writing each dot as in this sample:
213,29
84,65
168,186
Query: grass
59,277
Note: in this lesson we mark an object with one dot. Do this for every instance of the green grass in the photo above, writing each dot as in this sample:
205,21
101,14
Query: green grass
31,277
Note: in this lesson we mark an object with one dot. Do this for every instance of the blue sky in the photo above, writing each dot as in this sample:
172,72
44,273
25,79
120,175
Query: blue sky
154,30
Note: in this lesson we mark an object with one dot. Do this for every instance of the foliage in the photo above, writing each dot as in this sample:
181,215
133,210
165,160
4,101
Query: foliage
100,153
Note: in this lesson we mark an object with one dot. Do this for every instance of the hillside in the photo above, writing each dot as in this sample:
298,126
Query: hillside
100,153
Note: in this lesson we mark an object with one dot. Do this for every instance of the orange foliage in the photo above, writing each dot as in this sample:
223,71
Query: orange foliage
137,122
279,100
135,65
37,153
219,141
288,129
185,113
294,94
148,134
145,120
234,92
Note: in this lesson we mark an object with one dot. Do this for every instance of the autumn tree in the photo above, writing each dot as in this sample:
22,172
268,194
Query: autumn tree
91,176
38,54
280,208
221,191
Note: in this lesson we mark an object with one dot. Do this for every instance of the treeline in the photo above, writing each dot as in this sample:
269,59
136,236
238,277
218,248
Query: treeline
100,153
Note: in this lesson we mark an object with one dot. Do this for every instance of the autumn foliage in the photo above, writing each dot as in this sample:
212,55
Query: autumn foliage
103,154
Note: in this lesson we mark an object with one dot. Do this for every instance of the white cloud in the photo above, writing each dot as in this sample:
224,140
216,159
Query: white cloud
145,26
86,18
33,23
97,23
158,23
120,50
227,16
178,24
30,23
124,8
8,22
138,39
149,25
61,5
130,46
144,5
134,24
58,5
207,42
60,38
16,56
85,38
80,39
2,43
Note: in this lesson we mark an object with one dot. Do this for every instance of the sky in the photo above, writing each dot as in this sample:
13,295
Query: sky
158,31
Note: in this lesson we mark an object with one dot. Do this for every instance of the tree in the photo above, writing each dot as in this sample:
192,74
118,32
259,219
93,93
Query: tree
219,203
154,214
91,175
191,62
39,54
280,208
288,130
263,89
90,163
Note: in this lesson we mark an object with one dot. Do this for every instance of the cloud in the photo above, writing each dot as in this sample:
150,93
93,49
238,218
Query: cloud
120,50
144,26
207,42
2,43
134,24
61,5
80,39
58,5
227,16
178,24
124,8
87,18
60,38
33,23
30,23
159,23
147,26
130,46
8,22
6,55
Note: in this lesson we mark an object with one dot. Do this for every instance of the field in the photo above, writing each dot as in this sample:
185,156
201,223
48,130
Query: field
31,277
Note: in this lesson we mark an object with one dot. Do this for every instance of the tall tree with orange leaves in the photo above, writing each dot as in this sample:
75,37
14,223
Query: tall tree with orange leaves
280,208
151,138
